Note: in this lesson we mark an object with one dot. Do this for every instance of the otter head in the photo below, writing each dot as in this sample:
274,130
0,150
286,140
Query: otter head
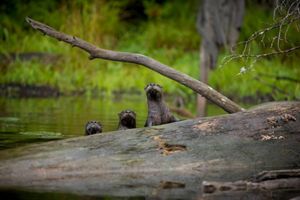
93,127
154,92
127,118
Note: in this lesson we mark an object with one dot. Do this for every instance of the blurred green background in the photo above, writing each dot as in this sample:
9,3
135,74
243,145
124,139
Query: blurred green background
93,90
163,30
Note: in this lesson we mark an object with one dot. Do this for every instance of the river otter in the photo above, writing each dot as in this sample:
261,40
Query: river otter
93,127
127,120
158,112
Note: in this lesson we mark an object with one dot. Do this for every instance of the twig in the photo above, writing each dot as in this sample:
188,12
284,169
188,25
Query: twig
285,14
273,87
262,32
257,56
277,77
140,59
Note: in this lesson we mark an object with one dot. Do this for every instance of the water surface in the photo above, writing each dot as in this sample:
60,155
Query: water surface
31,120
40,119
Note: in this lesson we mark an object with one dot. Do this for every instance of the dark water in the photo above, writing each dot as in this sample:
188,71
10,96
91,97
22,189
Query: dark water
19,194
31,120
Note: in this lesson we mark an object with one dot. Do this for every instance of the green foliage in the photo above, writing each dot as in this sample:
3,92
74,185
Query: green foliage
259,80
168,35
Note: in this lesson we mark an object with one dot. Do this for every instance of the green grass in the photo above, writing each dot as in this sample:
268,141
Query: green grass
258,80
168,36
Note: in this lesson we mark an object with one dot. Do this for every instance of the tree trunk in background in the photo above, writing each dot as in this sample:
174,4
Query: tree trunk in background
204,62
219,23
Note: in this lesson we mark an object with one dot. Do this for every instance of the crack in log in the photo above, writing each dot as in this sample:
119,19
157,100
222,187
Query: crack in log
171,185
168,149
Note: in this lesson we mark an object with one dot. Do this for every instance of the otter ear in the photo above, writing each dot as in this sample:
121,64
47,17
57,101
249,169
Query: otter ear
159,85
146,86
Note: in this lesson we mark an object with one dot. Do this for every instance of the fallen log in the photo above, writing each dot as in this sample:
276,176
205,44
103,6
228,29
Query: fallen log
168,161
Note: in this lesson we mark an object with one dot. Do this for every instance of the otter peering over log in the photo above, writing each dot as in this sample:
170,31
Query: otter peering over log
127,120
93,127
158,112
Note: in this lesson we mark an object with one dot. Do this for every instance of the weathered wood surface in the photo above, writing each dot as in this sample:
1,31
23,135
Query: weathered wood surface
263,186
168,161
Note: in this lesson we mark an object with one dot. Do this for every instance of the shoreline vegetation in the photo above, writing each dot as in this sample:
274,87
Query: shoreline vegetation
30,62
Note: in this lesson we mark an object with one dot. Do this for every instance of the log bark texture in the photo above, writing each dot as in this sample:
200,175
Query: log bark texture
168,161
95,52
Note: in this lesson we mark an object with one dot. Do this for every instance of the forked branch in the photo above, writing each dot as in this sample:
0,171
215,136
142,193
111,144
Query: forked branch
272,38
96,52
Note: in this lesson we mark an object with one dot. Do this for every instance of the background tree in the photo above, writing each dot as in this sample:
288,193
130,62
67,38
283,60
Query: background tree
219,23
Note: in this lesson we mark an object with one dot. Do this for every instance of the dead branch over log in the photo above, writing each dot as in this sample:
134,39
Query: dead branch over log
266,180
282,182
276,184
95,52
276,174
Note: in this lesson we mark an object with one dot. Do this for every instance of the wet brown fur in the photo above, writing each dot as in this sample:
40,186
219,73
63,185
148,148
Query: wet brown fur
158,112
127,120
93,127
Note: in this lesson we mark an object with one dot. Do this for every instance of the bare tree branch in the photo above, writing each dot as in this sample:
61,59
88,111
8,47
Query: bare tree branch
150,63
273,87
275,174
258,56
278,77
276,184
285,15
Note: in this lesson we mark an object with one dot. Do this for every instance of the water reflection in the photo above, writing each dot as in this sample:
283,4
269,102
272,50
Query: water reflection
31,120
35,119
29,195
